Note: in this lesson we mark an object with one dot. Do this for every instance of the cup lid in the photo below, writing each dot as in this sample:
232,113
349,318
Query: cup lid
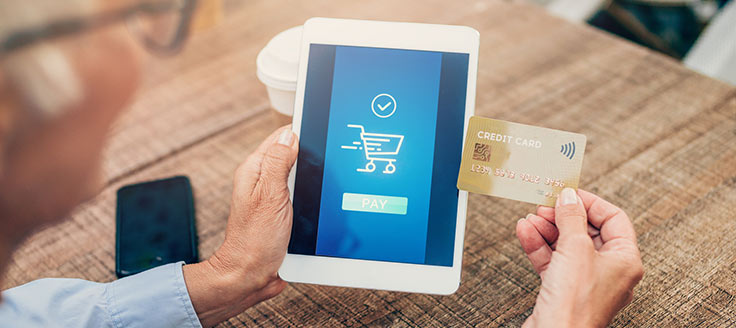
278,63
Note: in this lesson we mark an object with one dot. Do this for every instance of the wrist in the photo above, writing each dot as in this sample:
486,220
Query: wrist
216,294
241,272
234,282
220,288
571,318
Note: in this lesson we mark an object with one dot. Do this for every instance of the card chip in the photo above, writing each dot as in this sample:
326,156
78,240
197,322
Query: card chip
482,152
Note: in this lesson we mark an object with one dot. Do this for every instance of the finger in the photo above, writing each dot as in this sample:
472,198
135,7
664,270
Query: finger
530,322
548,213
593,231
545,228
257,156
249,171
278,160
534,245
570,216
612,222
597,242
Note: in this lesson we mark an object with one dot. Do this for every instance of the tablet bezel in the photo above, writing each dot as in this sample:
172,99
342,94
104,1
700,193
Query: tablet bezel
419,278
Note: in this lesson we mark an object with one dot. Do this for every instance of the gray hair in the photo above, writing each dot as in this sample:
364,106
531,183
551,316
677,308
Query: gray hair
42,73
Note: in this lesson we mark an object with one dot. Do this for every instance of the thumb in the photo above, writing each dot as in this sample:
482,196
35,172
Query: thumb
570,216
278,159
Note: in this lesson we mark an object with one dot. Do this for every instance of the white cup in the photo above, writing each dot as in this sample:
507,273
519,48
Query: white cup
276,66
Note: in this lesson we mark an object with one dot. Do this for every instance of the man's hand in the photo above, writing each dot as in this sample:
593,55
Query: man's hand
243,271
586,254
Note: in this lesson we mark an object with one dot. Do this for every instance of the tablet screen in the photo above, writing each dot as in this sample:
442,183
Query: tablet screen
380,149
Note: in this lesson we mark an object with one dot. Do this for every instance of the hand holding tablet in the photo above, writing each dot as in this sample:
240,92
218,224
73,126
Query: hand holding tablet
381,110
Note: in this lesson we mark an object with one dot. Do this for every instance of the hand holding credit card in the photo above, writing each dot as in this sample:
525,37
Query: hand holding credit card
520,162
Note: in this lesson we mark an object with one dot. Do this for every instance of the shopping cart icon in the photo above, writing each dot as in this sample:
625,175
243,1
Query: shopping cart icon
377,147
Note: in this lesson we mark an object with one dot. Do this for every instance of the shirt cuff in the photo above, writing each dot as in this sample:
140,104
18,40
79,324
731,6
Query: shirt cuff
154,298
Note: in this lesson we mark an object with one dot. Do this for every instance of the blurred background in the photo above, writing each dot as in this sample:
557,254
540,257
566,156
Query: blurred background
701,33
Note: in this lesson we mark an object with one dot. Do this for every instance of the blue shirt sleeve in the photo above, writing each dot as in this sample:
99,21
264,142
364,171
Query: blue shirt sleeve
154,298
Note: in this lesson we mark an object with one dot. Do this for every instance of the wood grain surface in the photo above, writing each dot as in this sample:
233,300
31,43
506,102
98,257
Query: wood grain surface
661,145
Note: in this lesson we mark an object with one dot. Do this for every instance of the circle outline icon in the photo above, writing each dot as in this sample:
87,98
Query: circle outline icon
373,105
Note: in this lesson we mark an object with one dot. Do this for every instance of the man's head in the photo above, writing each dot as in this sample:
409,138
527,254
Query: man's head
58,99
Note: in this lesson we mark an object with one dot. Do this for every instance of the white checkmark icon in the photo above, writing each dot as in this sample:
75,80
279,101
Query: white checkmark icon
383,108
386,110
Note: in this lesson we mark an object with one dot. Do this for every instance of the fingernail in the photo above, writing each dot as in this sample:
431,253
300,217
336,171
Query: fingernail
285,137
568,196
522,219
529,216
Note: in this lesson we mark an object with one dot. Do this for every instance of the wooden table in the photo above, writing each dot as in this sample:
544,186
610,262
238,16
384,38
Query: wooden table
661,144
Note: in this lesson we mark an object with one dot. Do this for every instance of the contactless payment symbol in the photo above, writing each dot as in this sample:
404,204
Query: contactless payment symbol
379,147
383,105
568,150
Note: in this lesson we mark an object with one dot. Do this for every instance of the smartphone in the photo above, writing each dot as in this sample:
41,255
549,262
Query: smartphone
154,225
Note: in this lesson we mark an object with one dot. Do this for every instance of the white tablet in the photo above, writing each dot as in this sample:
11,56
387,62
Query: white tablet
381,110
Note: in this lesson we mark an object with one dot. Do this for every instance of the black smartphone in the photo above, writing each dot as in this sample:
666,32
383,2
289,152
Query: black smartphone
155,225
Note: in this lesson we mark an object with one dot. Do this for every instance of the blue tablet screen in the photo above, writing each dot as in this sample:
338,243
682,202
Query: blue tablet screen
380,150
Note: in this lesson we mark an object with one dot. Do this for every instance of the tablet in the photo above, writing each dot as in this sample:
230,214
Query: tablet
381,110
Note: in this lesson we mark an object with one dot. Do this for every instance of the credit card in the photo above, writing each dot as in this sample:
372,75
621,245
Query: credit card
520,162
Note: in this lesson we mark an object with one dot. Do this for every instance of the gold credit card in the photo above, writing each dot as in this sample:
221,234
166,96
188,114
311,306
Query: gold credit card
520,162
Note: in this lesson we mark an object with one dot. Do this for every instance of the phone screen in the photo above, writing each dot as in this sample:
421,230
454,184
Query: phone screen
155,225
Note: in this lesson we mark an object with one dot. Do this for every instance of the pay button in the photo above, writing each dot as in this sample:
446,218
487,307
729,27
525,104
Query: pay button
374,203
